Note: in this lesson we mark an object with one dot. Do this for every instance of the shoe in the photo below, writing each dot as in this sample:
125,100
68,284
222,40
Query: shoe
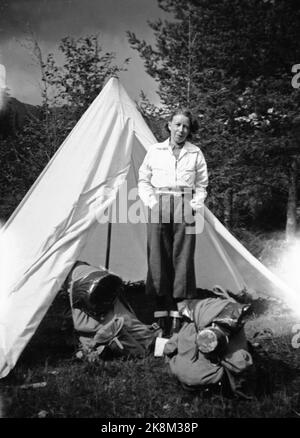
161,318
176,322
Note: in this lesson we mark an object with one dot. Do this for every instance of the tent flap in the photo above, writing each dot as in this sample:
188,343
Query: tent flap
63,218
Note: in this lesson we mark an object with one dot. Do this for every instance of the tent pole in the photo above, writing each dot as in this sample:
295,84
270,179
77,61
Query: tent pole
108,240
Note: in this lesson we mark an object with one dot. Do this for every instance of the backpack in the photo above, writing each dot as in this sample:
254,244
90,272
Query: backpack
111,328
199,369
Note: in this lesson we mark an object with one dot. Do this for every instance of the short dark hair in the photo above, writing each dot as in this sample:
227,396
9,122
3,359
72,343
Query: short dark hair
182,111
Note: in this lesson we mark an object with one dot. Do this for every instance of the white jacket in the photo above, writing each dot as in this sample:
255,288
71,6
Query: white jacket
161,169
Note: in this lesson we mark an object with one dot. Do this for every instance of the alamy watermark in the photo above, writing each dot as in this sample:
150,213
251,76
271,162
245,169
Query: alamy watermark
123,205
296,338
296,77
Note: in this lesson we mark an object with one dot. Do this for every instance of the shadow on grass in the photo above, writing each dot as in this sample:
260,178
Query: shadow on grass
271,372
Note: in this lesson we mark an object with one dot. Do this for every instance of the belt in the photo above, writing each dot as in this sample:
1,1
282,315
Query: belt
179,190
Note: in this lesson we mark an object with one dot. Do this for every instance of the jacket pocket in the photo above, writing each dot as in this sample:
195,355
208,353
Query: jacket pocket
188,176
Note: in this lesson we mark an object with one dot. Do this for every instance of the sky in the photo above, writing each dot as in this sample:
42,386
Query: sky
51,20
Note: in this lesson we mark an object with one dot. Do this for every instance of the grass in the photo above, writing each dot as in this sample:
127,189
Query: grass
144,388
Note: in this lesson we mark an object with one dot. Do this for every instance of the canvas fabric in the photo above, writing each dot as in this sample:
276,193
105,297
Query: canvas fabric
63,216
195,369
119,330
112,323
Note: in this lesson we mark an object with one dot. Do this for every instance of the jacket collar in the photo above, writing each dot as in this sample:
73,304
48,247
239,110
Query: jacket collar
190,147
187,147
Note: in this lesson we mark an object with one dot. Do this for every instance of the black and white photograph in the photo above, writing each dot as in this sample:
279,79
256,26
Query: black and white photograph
149,212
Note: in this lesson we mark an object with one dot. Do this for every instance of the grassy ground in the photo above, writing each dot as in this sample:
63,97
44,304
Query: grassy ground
144,388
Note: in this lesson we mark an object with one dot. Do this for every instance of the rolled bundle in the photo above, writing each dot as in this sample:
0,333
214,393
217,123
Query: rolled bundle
216,321
93,289
212,339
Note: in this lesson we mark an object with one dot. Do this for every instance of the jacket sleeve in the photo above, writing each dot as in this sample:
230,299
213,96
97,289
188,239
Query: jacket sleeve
145,188
201,182
84,323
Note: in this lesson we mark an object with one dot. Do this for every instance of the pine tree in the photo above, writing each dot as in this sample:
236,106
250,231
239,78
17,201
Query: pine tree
67,90
230,61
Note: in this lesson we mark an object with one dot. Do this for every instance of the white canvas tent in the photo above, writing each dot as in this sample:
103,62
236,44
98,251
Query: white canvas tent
59,222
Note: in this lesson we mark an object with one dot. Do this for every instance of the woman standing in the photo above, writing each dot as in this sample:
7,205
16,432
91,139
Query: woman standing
172,183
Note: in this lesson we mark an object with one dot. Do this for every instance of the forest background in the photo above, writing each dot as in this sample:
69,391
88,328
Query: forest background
233,63
236,64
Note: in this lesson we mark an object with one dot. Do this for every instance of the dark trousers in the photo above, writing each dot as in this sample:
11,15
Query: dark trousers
170,249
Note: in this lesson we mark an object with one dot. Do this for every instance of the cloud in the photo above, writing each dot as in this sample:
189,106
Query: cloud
51,20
